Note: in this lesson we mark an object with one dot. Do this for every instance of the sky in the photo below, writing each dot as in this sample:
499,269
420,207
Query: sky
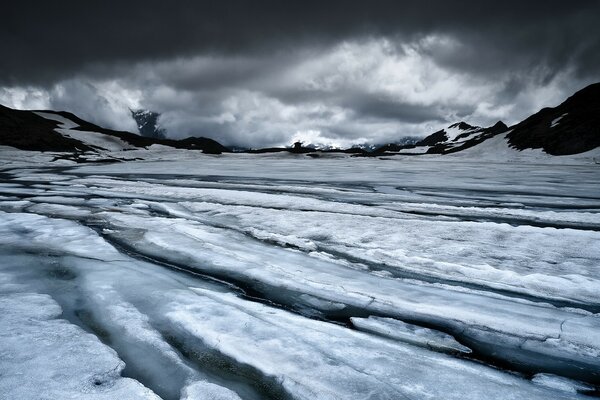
267,73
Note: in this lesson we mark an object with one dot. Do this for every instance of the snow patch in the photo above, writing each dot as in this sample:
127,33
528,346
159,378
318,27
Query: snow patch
557,120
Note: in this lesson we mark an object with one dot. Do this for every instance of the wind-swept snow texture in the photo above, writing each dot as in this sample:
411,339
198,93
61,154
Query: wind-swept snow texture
284,277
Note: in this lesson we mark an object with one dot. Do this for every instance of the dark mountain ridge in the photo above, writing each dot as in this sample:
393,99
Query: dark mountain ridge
26,130
570,128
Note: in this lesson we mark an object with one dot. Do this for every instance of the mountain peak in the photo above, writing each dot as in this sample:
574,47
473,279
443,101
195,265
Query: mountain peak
498,127
147,123
463,126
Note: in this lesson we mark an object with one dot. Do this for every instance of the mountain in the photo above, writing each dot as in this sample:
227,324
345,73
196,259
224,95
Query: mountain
460,136
65,132
147,123
572,127
402,143
26,130
310,150
456,137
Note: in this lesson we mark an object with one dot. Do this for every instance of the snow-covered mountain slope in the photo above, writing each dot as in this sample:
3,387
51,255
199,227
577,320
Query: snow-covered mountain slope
456,137
460,136
95,140
65,132
499,149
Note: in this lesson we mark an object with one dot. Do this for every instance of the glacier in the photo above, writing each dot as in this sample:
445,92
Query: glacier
240,276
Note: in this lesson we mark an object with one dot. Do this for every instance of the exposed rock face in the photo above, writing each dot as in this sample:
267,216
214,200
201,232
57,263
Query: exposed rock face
572,127
147,123
207,145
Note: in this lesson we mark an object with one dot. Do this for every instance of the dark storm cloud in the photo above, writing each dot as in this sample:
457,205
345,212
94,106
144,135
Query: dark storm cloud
381,107
46,40
260,73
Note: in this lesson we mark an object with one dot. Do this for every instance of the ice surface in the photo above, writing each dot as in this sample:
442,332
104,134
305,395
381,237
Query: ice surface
277,271
44,357
208,391
506,257
293,355
312,359
279,276
560,383
31,231
413,334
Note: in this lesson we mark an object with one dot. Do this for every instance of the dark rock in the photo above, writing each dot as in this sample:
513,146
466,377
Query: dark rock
577,130
433,139
208,146
147,123
463,126
26,130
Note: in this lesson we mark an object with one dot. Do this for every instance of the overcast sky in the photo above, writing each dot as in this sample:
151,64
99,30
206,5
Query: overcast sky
261,73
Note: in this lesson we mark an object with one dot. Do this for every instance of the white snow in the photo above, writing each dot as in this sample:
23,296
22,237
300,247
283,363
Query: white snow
92,139
415,150
453,132
497,149
96,139
557,120
65,123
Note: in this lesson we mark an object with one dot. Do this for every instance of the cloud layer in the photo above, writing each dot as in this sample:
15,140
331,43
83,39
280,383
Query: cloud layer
266,73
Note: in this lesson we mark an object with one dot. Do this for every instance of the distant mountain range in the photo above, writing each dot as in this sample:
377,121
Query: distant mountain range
571,128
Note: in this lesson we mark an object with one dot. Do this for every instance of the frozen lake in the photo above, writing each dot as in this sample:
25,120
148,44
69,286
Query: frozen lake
286,277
